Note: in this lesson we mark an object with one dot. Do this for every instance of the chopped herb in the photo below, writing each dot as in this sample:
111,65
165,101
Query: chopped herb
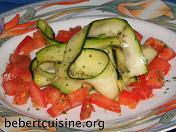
167,81
173,77
90,55
167,88
64,112
66,84
164,92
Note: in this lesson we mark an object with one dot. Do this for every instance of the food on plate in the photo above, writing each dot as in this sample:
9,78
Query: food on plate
102,63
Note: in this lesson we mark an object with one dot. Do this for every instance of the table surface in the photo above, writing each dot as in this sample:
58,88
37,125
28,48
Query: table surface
7,5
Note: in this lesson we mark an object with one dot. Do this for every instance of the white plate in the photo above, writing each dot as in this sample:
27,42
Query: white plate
147,29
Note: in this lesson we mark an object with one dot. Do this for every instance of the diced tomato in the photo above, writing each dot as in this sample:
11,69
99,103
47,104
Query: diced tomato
139,36
155,43
155,79
143,92
141,81
167,54
22,93
25,74
10,86
22,60
39,41
105,102
26,46
51,94
76,98
160,65
38,100
142,78
60,106
12,71
64,35
75,30
14,68
86,109
129,99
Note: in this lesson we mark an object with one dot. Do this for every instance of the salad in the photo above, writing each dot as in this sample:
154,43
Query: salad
102,63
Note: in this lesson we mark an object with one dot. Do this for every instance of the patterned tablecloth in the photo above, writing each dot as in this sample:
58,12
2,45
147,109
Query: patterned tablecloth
162,12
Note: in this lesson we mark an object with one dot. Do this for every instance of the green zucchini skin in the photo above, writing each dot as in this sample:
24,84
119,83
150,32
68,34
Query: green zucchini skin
33,65
135,60
43,78
72,52
70,57
51,53
56,52
106,82
121,62
96,62
40,75
47,32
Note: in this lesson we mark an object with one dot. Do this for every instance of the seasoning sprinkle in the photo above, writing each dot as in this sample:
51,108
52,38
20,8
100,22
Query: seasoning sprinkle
173,77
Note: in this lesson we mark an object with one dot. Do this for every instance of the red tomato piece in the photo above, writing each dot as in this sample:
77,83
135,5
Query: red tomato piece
25,74
51,94
38,100
75,30
129,99
86,109
63,36
160,65
143,92
142,78
155,79
105,102
138,35
155,43
12,71
132,84
22,93
39,41
141,82
10,86
26,46
76,98
60,106
17,63
22,60
167,54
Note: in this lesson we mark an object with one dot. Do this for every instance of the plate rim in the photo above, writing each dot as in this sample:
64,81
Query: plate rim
13,11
